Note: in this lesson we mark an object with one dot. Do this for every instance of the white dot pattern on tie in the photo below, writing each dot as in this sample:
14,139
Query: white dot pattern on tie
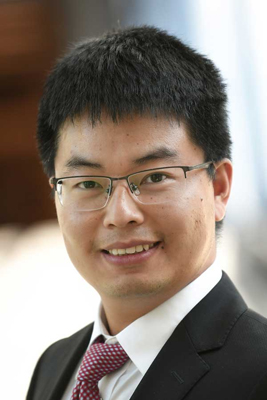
101,359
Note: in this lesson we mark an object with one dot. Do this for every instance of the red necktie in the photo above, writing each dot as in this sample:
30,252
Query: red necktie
99,360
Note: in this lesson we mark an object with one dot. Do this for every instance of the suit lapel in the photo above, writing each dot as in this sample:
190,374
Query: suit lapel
70,356
174,372
211,321
179,365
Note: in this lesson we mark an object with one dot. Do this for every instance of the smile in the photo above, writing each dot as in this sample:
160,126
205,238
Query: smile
130,256
131,250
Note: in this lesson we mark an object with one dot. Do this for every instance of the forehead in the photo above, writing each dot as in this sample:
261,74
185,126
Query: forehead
127,144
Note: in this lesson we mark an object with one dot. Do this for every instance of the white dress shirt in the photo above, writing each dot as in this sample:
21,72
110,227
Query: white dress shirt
143,339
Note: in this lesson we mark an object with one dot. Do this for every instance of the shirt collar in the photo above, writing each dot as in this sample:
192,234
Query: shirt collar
143,339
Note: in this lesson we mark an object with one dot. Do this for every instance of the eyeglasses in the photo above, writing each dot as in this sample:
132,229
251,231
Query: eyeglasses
151,186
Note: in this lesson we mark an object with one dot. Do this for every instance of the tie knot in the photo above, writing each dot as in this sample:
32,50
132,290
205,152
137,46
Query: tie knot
99,360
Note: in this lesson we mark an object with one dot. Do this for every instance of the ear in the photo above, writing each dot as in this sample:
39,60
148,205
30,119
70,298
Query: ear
50,183
222,187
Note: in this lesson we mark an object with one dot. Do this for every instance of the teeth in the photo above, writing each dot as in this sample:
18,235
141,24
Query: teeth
139,248
121,251
131,250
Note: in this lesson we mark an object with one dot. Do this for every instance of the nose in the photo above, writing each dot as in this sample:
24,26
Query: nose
122,209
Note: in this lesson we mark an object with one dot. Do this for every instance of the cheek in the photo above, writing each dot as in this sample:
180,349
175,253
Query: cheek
174,223
187,222
78,230
203,222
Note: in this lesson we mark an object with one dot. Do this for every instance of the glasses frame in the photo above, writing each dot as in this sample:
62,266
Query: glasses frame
54,181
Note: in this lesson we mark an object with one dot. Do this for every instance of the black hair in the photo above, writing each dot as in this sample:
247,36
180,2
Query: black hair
136,71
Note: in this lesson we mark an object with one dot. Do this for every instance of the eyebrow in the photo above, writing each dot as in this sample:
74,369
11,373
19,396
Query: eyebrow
76,162
162,153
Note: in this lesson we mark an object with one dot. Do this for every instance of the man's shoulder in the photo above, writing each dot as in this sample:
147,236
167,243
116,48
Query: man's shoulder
78,339
244,354
254,316
57,363
252,327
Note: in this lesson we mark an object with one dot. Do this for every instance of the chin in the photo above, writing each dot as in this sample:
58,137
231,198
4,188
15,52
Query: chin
131,289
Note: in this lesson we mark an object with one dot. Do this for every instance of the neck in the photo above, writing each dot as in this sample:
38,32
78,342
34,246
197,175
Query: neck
119,313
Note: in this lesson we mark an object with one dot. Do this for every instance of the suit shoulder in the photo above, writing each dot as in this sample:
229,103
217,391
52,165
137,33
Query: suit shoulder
59,359
66,343
255,325
259,319
251,331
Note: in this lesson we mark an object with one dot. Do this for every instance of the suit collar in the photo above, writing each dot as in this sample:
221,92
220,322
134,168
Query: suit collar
211,321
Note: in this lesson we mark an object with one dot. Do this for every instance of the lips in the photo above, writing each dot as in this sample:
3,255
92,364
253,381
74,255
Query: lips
119,256
120,249
131,250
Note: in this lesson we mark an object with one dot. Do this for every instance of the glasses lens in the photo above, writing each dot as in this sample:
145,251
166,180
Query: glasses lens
158,186
85,193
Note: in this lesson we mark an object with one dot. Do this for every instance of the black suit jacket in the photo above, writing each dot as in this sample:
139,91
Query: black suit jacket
218,352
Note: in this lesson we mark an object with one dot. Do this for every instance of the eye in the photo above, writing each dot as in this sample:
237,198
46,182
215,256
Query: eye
89,185
155,178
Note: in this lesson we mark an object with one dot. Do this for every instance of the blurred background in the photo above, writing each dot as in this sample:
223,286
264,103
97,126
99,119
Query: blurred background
40,291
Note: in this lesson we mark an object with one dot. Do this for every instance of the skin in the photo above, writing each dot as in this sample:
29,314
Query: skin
185,227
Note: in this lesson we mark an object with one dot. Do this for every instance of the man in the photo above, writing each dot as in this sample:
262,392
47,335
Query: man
133,135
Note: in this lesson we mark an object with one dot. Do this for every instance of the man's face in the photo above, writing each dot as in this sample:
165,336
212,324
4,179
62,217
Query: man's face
183,230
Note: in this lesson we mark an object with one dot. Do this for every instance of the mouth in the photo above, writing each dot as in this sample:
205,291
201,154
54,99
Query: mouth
140,248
